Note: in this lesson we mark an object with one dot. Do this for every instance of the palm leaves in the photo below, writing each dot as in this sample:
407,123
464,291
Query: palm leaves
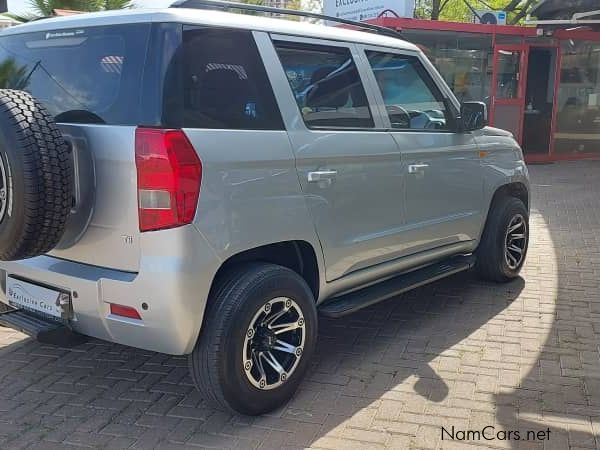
12,75
116,4
19,18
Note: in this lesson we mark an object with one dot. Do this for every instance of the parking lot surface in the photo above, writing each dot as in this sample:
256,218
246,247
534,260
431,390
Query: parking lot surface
458,354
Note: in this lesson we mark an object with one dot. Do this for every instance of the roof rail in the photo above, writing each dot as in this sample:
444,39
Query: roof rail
227,5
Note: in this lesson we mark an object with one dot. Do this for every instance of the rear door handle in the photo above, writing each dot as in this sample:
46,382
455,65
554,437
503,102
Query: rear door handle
321,175
416,168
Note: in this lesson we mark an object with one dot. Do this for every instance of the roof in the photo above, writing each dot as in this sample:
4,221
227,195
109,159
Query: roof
562,9
214,18
425,26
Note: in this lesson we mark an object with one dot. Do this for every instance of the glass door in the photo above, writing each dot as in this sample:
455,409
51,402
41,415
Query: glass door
508,88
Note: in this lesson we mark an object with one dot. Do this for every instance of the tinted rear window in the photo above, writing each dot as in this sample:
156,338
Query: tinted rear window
85,75
216,79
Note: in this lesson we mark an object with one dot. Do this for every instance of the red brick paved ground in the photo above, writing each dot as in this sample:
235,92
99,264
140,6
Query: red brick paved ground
460,353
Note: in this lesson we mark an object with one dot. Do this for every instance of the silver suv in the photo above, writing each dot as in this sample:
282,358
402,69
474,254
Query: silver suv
203,183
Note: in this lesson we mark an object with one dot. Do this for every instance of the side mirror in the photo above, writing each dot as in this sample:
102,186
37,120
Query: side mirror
473,116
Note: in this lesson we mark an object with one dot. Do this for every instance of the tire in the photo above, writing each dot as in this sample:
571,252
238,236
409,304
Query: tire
493,262
219,362
35,178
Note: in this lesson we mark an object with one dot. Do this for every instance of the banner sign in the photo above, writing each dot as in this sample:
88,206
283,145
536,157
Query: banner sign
360,10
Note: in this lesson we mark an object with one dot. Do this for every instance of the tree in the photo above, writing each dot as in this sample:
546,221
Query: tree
288,4
19,18
459,10
44,8
13,76
116,4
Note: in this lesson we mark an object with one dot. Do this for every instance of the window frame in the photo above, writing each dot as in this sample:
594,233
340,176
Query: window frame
355,53
434,79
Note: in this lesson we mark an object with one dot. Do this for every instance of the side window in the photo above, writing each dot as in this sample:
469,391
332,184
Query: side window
411,98
326,85
224,82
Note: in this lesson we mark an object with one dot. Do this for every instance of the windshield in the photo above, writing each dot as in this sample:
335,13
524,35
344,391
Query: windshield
85,75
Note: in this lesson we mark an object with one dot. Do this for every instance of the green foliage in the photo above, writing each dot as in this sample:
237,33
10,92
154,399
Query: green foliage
252,2
458,11
291,4
116,4
19,18
12,76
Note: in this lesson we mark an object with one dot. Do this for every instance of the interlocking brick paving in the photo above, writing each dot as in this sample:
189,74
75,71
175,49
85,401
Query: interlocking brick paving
518,357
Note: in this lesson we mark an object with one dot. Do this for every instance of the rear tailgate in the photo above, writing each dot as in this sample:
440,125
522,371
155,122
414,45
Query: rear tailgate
103,229
90,79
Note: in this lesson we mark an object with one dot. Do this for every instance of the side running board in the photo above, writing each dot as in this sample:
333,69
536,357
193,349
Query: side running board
357,300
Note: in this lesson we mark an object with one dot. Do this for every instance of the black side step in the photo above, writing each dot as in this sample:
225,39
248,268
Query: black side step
354,301
45,331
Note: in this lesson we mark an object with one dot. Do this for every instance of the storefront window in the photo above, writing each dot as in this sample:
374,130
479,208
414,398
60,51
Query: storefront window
509,69
578,119
463,59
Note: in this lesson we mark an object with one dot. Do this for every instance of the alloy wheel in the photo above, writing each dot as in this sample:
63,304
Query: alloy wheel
274,343
515,243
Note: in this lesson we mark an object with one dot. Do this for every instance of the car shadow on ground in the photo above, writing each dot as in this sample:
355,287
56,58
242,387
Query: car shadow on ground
386,369
377,360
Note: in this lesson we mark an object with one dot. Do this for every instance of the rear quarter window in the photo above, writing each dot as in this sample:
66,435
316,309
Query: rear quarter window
216,80
85,75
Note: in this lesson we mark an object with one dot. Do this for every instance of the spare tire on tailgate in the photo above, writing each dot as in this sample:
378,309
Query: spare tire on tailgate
36,184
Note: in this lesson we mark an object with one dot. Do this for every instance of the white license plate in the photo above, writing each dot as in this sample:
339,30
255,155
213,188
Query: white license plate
23,295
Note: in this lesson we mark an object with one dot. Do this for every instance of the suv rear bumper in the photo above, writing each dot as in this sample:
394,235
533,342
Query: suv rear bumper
176,272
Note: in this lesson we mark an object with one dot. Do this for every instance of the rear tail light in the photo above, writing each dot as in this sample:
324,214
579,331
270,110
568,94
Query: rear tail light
124,311
169,174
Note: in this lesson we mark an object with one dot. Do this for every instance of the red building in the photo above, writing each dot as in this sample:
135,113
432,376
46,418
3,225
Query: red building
543,84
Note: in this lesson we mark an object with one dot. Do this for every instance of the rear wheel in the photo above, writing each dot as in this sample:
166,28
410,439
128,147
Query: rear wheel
259,334
503,248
